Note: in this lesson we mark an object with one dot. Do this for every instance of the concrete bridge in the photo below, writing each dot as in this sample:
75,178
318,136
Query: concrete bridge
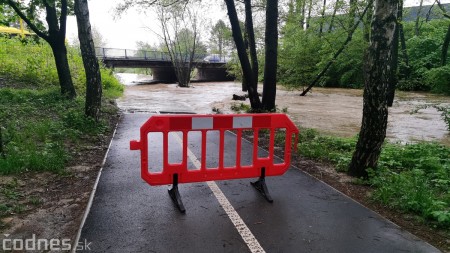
209,67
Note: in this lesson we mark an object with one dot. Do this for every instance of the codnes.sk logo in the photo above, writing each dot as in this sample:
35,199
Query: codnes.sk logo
33,244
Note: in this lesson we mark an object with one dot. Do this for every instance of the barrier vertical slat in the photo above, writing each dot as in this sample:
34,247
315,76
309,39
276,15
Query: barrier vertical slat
221,147
255,145
185,147
203,167
238,148
287,148
271,145
165,148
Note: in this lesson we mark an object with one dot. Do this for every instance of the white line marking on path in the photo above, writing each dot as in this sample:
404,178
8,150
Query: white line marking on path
237,221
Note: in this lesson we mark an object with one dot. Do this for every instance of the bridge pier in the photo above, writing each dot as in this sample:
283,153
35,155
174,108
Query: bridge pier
164,74
216,73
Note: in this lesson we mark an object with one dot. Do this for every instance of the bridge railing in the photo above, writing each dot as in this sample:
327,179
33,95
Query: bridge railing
115,53
131,54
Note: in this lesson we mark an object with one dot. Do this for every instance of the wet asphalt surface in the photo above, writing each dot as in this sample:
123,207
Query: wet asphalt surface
128,215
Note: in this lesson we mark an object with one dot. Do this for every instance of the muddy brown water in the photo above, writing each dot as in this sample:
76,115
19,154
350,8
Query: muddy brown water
332,111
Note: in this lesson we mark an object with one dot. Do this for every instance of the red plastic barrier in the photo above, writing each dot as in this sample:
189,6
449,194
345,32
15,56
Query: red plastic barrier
204,123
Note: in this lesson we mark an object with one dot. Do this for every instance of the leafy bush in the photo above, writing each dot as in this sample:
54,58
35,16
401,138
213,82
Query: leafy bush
415,178
112,87
337,150
298,56
438,79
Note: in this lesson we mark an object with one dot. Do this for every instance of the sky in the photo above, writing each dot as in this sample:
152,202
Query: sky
134,26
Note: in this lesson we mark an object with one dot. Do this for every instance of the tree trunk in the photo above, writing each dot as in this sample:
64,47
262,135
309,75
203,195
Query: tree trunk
303,10
244,81
91,67
243,58
308,18
322,17
251,41
417,25
336,5
393,80
351,13
270,67
2,151
376,78
367,22
62,66
445,47
404,69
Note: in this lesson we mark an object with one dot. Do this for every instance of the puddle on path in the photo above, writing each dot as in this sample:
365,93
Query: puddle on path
334,111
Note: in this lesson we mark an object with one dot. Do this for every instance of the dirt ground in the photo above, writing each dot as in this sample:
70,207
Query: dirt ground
58,201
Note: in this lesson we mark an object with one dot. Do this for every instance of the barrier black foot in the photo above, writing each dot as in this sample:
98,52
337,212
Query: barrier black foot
261,186
175,194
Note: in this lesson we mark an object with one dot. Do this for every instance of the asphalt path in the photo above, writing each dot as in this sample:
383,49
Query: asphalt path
128,215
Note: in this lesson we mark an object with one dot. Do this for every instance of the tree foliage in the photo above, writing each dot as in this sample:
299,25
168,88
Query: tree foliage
55,13
304,51
181,35
221,40
7,15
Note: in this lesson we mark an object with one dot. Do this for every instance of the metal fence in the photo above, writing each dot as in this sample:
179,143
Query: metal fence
131,54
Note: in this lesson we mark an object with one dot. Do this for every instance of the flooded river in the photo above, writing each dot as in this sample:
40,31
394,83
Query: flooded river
333,111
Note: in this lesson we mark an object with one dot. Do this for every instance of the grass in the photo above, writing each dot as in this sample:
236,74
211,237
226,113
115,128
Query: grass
39,129
414,178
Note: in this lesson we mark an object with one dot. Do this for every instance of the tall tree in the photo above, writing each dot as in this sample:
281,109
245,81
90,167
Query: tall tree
367,21
322,17
404,71
308,18
376,78
179,23
218,36
54,35
447,36
417,22
242,54
352,13
393,80
90,62
445,47
270,67
335,8
249,31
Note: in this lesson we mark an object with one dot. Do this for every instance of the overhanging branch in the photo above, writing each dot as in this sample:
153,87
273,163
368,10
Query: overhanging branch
27,20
